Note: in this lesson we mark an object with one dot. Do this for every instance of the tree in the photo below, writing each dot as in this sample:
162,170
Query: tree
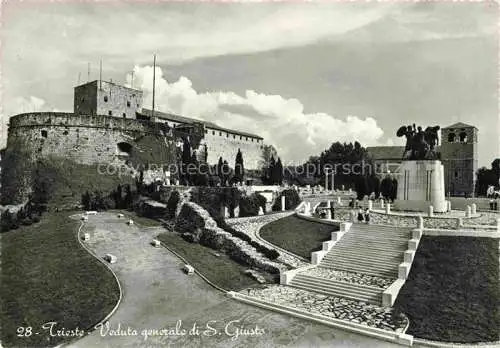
339,156
485,178
495,167
6,221
394,189
271,171
129,199
186,158
361,187
374,185
226,173
279,172
239,169
220,169
386,188
86,200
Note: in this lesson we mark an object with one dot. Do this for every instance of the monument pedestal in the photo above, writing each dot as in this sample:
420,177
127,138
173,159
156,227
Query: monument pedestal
420,185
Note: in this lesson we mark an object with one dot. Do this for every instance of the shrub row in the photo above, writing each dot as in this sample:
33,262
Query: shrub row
249,205
269,253
292,200
28,214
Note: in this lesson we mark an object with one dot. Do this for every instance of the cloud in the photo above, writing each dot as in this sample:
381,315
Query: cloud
281,122
19,106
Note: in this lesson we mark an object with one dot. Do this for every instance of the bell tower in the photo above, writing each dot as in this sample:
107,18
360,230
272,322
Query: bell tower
460,158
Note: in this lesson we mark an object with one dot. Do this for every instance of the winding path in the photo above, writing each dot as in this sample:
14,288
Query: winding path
157,295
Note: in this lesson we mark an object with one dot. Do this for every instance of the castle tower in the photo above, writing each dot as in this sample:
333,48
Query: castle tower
459,157
107,98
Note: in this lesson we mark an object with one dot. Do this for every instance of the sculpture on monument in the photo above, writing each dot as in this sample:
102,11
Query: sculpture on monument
421,174
420,144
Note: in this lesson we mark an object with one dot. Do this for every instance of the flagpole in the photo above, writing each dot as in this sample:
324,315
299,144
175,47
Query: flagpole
154,76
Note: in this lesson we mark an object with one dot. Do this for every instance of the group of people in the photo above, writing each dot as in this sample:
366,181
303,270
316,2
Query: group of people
364,216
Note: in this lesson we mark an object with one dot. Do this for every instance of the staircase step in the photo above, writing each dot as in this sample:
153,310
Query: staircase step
372,245
360,269
362,266
359,249
374,229
335,290
363,259
387,275
370,237
374,255
360,236
338,284
376,300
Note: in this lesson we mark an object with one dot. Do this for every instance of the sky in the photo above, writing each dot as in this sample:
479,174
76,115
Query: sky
300,74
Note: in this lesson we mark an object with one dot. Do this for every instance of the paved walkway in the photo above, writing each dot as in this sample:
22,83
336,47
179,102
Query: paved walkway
157,295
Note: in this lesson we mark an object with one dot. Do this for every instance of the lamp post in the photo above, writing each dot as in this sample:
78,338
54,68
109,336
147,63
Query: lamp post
327,172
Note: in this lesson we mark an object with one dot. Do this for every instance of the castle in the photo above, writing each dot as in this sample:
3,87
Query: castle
109,125
459,155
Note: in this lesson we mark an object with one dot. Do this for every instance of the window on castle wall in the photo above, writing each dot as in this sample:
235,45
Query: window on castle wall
227,135
128,104
110,113
463,137
451,137
456,175
246,138
241,138
220,134
124,115
213,132
44,134
105,98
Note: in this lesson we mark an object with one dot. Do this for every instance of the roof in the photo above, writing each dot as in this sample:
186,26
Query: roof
188,120
96,82
385,152
460,125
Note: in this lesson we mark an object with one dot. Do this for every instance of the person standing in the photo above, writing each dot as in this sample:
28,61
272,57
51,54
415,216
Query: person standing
360,215
367,216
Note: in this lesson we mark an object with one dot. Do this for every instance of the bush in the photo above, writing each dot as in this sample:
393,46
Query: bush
292,200
249,205
269,253
172,203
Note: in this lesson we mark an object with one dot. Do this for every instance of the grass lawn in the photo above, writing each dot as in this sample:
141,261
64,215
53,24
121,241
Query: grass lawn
220,270
453,290
299,236
48,277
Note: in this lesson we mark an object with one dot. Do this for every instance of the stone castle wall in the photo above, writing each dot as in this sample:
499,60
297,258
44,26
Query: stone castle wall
227,145
85,139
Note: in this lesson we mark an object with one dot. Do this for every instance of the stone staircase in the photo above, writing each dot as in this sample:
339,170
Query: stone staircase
367,251
337,288
375,250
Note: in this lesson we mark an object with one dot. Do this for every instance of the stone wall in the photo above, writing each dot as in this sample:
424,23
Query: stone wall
227,144
197,222
87,140
376,218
